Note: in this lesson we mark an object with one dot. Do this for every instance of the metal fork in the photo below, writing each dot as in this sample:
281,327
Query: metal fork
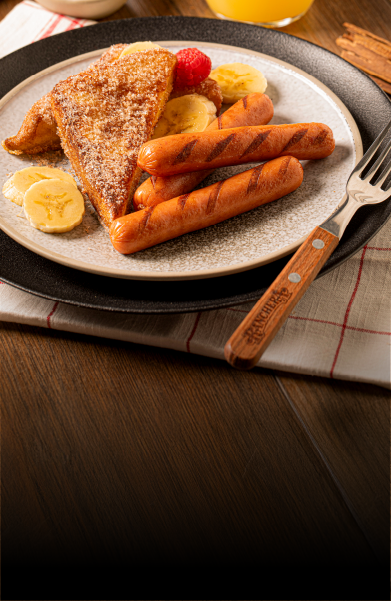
259,327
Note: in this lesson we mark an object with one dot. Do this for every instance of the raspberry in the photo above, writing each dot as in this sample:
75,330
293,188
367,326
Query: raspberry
192,68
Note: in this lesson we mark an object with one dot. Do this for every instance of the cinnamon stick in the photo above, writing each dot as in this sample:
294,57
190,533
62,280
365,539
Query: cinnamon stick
368,52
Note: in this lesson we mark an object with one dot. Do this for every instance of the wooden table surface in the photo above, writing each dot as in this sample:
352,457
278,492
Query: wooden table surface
120,453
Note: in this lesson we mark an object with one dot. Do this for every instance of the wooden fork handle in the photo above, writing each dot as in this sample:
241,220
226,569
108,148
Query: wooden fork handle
259,327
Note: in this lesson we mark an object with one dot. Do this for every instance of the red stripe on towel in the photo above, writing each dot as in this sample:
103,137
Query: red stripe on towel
52,25
347,312
51,313
193,332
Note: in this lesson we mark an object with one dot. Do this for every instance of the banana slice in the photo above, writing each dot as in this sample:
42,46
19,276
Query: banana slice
53,206
236,80
185,114
15,188
137,47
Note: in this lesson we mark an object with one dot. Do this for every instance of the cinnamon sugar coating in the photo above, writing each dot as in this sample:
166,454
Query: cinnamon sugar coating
38,132
104,115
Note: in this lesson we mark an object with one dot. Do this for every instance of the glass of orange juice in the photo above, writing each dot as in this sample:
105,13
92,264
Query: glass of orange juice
269,13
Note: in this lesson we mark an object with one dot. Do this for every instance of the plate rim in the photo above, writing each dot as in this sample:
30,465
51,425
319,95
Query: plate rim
370,106
177,275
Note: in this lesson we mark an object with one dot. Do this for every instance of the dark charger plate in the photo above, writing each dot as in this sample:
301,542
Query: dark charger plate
369,106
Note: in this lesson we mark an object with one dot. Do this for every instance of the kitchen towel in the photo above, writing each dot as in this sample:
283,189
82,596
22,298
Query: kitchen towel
29,22
340,329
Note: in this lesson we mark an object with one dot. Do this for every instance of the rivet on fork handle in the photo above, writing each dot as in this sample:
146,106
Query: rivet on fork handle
245,347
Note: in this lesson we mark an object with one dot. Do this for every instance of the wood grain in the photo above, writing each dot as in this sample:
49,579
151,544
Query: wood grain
193,468
349,424
112,450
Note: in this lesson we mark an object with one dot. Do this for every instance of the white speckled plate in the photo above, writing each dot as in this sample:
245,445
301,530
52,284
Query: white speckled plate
244,242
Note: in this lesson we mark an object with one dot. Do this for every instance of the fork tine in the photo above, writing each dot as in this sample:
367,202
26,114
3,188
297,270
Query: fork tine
384,174
372,149
379,161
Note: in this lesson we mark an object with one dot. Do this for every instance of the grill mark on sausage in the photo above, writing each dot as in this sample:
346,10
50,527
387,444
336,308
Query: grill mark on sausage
147,216
254,179
283,167
219,122
261,137
321,137
295,139
213,196
182,200
219,148
153,180
244,102
185,152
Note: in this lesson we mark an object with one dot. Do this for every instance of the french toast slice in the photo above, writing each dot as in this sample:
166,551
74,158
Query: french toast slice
104,115
38,132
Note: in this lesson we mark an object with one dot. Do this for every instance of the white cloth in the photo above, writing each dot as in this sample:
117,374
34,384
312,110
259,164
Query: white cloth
29,22
341,328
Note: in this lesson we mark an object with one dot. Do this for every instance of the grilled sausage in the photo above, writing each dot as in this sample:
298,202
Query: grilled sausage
253,109
211,149
208,206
